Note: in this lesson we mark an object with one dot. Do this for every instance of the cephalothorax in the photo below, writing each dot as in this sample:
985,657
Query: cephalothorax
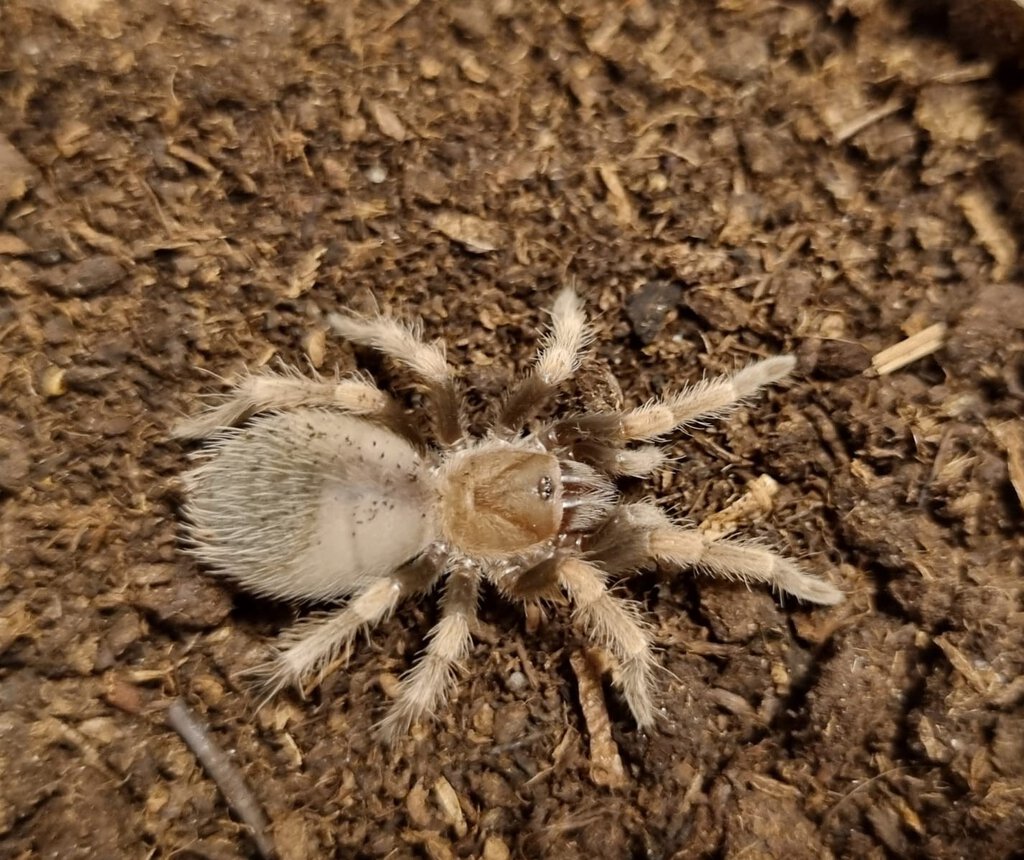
329,492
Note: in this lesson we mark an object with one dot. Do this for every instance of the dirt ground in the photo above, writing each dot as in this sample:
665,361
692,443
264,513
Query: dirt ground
187,188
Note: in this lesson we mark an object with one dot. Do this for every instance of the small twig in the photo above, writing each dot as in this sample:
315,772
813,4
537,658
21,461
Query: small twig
527,664
225,774
856,126
916,346
859,787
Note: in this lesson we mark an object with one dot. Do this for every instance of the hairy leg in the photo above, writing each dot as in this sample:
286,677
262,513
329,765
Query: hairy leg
288,389
558,358
621,462
642,533
404,344
622,545
310,648
682,547
702,401
615,624
429,682
710,398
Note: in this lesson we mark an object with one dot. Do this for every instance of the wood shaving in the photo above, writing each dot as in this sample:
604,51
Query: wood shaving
475,234
992,231
387,121
619,199
907,351
605,762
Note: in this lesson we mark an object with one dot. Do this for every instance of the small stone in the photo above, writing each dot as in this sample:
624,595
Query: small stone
517,682
648,308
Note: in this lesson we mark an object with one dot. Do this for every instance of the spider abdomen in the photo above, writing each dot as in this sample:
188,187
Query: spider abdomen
310,504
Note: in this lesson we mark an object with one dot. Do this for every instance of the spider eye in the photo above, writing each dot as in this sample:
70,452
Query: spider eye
544,488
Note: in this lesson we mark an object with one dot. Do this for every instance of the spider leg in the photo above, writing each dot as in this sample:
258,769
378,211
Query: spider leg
267,390
642,533
710,398
311,646
615,623
707,399
730,559
403,343
617,461
559,357
428,683
622,544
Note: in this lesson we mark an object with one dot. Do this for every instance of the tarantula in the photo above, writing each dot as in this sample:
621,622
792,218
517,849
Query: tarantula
330,492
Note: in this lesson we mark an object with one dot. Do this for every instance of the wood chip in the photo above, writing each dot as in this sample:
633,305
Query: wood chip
495,849
316,347
992,231
983,680
618,197
15,621
605,762
473,70
856,126
13,246
190,157
416,806
387,121
1010,435
907,351
451,809
731,702
305,273
17,174
759,499
475,234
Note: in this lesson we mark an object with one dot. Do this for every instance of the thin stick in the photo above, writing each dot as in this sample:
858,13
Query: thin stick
856,126
909,350
225,774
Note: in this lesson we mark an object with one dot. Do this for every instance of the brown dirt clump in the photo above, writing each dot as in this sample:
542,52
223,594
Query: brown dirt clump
187,188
